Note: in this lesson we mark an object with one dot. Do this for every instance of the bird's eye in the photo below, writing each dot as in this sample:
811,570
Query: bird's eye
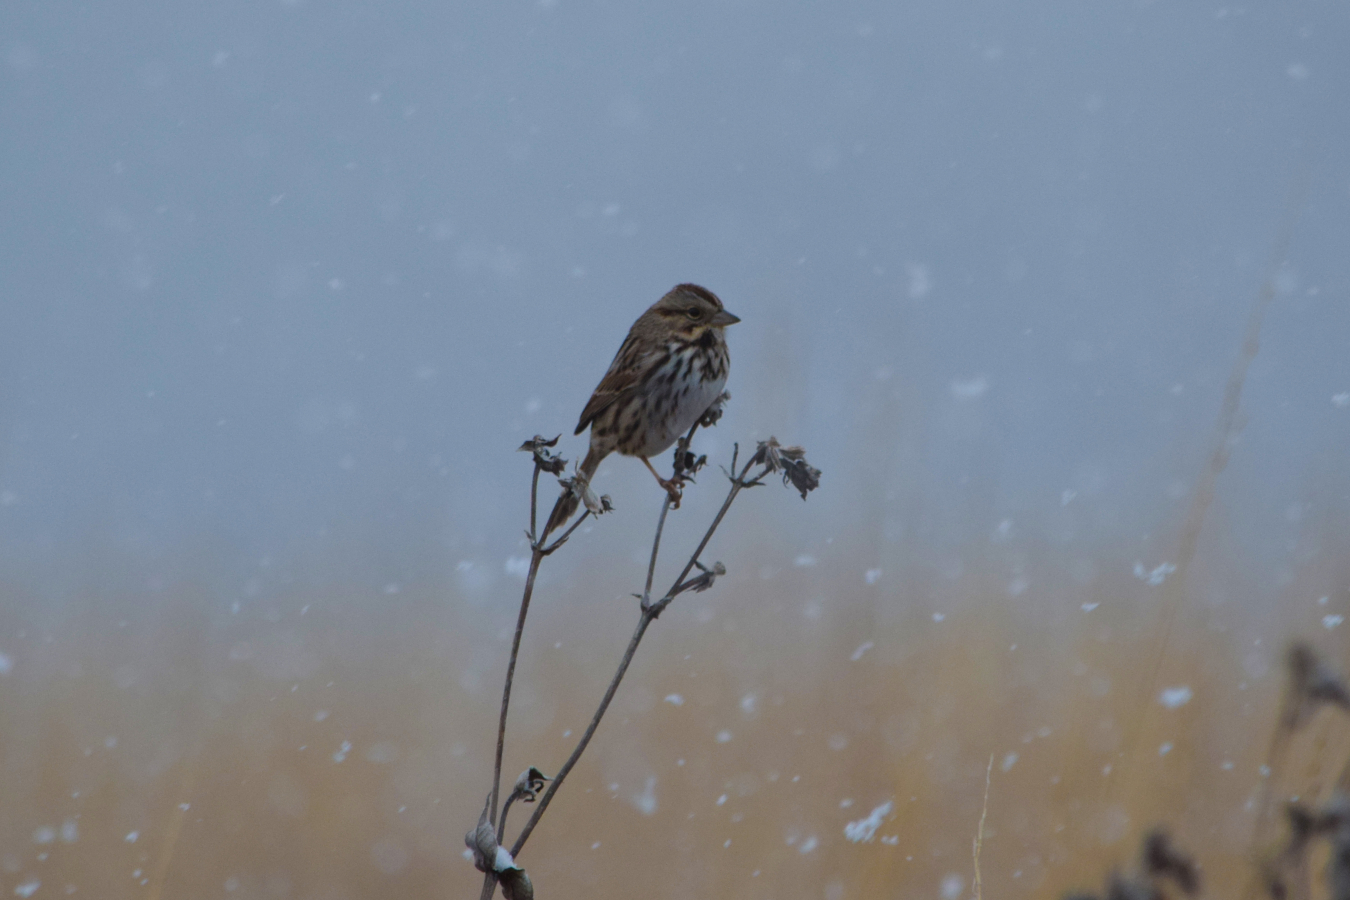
694,312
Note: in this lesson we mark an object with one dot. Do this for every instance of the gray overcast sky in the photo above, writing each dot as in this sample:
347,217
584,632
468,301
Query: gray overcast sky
284,279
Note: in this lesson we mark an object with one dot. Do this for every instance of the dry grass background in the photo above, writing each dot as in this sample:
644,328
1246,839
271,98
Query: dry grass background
337,744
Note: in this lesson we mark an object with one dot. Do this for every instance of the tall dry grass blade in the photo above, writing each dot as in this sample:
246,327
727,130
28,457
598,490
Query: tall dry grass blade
1172,593
175,826
978,843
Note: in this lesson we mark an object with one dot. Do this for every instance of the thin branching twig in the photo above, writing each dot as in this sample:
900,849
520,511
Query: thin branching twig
650,611
497,864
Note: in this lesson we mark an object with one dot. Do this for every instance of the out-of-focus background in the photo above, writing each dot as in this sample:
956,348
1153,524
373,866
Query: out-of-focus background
284,284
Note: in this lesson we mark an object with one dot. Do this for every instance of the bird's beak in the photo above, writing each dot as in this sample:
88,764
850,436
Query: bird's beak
725,318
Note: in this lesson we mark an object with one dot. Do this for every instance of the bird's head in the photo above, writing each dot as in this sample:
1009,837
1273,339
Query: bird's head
690,311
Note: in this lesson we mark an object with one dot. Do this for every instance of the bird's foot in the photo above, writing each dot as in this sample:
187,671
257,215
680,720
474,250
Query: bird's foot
674,489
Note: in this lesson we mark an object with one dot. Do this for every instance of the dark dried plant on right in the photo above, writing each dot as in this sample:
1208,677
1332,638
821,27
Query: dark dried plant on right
1283,861
1163,872
1282,858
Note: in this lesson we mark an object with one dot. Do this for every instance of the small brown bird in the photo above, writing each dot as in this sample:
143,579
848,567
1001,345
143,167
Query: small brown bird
671,368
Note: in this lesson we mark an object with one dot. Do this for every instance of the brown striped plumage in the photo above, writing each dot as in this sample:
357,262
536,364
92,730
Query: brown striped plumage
670,369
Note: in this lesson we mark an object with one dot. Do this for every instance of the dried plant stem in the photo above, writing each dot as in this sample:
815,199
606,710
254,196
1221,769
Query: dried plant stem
650,611
978,843
537,554
534,501
656,546
485,841
535,558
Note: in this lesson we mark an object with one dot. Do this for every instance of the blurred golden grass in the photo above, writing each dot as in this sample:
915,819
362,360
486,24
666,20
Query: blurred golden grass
218,739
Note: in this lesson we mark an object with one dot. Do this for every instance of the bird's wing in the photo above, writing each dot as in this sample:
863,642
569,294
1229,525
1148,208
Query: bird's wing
623,379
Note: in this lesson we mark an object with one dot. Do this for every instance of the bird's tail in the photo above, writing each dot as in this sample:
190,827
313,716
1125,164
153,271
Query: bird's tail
567,503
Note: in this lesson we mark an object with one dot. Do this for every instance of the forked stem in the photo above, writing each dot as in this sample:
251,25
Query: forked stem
650,611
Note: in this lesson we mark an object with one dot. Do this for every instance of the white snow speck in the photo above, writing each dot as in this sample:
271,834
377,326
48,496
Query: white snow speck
838,741
44,834
890,840
645,802
871,576
862,648
27,888
674,699
6,664
1066,496
1009,760
723,736
132,837
970,388
518,566
805,560
342,752
938,617
503,860
1156,576
70,832
748,704
1089,607
808,845
1173,697
846,803
952,886
533,405
722,800
1018,586
1331,621
320,715
1297,71
1341,400
864,829
382,752
1165,749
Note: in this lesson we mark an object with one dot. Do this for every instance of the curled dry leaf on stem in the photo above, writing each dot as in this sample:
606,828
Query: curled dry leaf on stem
516,884
704,580
491,857
598,504
529,784
791,461
544,458
488,855
527,788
